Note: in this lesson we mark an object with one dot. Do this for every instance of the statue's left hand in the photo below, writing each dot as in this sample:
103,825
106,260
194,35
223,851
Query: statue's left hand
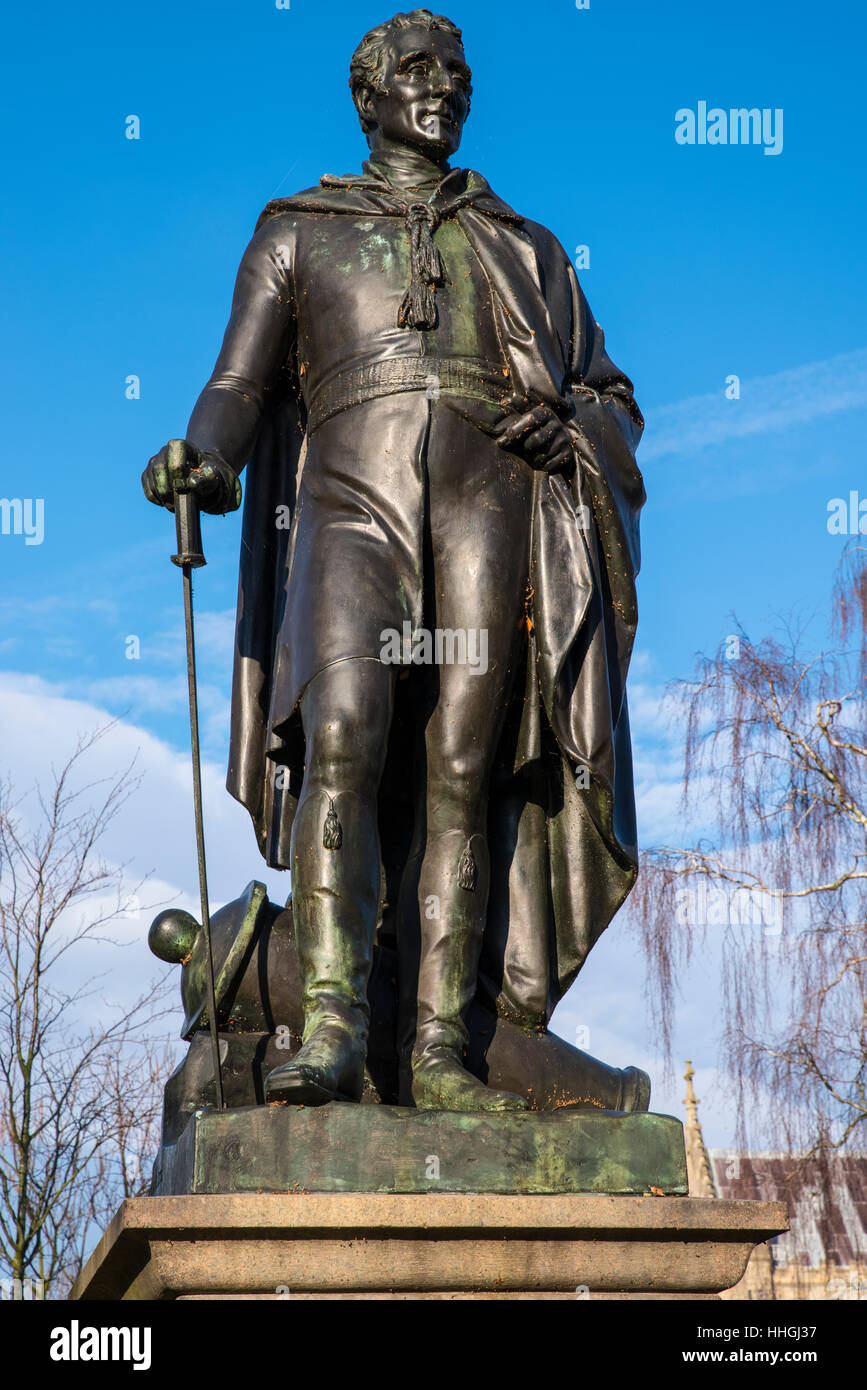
540,437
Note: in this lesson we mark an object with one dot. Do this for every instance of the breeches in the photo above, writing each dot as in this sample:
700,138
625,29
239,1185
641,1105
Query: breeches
408,513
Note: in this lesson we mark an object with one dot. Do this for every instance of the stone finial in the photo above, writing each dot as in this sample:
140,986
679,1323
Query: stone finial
697,1161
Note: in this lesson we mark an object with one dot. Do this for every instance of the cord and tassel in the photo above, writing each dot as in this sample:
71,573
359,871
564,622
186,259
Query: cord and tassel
332,831
467,870
418,309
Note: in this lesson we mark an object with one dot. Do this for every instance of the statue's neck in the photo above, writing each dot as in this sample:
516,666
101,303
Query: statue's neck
404,165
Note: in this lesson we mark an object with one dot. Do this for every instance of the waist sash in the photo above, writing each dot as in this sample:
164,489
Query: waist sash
461,376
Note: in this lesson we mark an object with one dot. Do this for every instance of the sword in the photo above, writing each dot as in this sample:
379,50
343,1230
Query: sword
188,558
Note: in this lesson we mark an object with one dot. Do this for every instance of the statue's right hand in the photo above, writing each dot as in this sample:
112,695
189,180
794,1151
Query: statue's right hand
182,467
171,470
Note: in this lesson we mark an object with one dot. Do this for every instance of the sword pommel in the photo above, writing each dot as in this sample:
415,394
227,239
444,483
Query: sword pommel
189,532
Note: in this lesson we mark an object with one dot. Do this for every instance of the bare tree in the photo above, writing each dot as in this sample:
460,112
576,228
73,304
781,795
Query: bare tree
78,1100
776,764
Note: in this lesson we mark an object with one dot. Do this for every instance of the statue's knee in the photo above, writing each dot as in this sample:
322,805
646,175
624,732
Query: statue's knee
458,780
344,755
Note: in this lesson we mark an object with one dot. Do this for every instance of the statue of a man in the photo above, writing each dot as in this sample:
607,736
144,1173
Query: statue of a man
437,592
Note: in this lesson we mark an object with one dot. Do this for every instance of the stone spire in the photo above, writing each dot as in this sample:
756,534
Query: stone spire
697,1162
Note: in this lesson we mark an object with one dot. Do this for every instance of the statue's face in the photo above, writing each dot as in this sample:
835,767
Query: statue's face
424,99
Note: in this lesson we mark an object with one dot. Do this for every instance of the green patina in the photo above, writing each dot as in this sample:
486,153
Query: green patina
375,250
367,1148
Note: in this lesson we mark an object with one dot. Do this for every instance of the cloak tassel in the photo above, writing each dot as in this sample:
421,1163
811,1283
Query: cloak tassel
467,871
332,834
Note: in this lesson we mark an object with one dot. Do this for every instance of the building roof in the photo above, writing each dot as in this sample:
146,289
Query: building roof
826,1197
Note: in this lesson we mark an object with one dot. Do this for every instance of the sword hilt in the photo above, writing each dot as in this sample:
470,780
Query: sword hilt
187,524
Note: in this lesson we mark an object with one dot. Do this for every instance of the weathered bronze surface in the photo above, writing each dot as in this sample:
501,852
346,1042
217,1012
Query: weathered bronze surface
436,612
383,1148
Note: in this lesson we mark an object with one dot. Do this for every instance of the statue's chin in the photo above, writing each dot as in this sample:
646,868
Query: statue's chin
436,148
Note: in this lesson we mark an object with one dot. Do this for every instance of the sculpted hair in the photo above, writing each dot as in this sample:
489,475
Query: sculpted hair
365,70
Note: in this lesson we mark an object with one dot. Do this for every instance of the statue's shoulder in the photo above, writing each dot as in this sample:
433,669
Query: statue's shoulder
545,240
486,200
551,254
330,195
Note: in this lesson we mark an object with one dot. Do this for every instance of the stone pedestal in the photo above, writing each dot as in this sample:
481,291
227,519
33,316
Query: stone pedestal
367,1201
440,1246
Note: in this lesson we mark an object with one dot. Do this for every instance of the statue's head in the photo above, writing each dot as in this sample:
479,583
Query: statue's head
410,81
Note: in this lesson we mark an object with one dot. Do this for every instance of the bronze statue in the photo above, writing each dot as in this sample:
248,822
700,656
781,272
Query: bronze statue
437,589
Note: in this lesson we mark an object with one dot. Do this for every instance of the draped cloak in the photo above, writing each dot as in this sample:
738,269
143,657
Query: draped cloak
561,824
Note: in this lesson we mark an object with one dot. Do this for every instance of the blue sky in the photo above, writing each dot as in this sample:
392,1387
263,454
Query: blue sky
705,261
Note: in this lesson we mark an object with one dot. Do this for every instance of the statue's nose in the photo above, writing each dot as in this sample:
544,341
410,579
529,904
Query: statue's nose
442,83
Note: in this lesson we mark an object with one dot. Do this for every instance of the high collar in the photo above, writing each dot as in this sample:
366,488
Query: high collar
405,168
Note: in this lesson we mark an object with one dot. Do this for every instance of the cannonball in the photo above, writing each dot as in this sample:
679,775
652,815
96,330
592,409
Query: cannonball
173,934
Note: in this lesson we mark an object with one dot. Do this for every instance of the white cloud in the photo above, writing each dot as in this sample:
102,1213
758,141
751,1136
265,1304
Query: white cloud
141,693
767,404
154,831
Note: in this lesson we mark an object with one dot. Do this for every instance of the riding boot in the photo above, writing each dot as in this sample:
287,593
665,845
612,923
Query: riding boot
454,880
335,896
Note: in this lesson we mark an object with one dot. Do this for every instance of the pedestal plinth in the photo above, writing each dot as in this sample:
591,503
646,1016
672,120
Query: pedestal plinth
481,1246
351,1201
388,1149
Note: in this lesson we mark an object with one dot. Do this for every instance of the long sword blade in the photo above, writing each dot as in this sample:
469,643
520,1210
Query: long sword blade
200,828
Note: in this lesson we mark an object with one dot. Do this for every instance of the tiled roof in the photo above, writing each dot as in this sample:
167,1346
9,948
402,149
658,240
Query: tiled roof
827,1201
